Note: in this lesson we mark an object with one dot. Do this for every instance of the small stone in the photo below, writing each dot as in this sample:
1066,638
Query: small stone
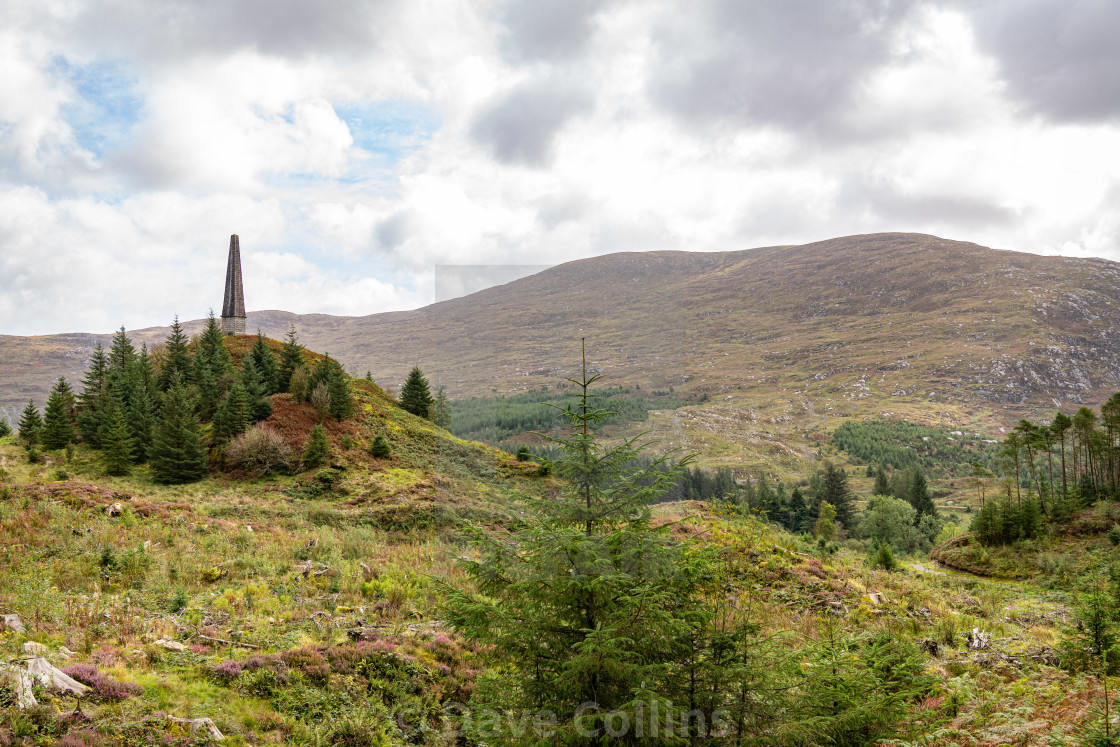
65,653
114,510
171,645
12,622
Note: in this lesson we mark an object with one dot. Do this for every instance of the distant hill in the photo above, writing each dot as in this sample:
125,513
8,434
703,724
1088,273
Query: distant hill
783,339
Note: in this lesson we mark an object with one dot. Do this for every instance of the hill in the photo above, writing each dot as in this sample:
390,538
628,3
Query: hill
785,341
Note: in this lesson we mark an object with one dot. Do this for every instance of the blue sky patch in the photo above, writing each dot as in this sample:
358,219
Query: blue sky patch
389,129
107,104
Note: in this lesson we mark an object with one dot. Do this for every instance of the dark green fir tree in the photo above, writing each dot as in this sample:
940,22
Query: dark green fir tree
233,416
317,447
30,424
177,358
835,491
95,387
291,358
177,454
117,445
57,430
416,396
267,367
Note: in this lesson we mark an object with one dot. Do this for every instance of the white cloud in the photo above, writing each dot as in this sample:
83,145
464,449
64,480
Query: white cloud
539,133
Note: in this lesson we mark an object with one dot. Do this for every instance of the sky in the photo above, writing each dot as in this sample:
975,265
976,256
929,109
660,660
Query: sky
354,145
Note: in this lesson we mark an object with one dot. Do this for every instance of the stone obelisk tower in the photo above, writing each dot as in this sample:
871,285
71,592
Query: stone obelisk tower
233,307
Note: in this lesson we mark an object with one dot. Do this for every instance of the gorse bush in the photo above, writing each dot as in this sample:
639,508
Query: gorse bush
260,451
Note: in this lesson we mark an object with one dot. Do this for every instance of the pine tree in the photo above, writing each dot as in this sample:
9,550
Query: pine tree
291,358
30,424
920,497
416,397
342,404
116,442
95,386
441,410
5,426
177,453
882,487
317,447
591,602
798,512
141,415
177,360
835,491
256,390
379,448
57,430
233,417
213,368
121,353
266,365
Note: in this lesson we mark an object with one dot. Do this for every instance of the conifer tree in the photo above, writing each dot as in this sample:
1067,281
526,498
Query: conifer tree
835,491
5,426
95,386
267,368
57,430
256,390
379,448
213,368
121,353
798,512
317,447
291,358
416,397
441,409
920,497
30,424
342,404
233,417
177,360
882,486
117,444
591,602
177,453
140,416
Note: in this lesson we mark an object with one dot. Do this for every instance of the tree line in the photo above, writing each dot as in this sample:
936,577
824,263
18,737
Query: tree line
1052,471
177,409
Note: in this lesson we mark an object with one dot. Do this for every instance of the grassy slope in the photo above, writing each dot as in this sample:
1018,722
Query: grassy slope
230,553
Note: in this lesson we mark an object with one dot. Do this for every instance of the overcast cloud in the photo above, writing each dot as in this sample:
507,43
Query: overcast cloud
355,145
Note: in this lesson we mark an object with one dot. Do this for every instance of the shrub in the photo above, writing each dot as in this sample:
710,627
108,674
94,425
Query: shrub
523,454
33,455
316,449
882,557
103,688
260,451
379,449
1114,535
227,671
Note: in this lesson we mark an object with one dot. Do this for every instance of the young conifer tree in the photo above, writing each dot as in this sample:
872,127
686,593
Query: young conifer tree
291,358
117,445
57,429
177,359
95,387
177,453
317,448
266,366
590,601
440,413
30,424
5,426
416,396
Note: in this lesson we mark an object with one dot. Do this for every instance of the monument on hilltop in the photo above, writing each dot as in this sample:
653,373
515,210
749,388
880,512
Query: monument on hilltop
233,307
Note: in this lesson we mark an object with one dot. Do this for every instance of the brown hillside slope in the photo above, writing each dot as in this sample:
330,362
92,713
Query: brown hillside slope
904,323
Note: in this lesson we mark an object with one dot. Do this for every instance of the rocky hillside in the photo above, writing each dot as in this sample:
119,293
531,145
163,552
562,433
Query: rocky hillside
909,324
